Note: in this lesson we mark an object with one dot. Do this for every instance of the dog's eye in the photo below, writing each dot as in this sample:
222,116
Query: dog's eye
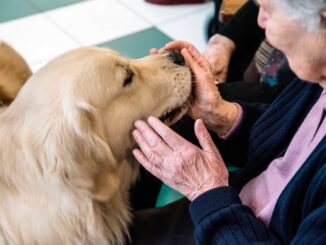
128,79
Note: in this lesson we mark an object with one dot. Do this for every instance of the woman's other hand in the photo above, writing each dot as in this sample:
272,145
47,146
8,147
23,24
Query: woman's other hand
177,162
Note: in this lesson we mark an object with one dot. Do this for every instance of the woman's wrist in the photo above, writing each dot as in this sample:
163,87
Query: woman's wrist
223,118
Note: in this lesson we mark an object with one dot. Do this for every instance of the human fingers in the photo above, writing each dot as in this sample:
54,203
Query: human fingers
146,149
198,57
172,139
153,51
157,51
149,166
194,66
204,138
221,77
152,139
177,45
198,67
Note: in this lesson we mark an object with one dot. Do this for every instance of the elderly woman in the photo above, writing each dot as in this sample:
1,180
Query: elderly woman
279,194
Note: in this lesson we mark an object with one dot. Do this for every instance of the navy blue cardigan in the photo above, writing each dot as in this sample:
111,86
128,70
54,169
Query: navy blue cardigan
299,216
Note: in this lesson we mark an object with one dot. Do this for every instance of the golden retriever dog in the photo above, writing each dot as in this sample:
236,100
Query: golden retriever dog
65,149
14,72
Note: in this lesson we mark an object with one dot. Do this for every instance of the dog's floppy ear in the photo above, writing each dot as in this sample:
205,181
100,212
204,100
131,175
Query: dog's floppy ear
83,159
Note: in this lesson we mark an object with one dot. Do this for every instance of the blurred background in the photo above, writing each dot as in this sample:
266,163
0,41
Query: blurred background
42,29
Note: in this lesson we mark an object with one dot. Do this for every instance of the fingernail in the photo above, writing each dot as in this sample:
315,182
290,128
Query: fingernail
135,134
202,124
137,123
162,50
200,121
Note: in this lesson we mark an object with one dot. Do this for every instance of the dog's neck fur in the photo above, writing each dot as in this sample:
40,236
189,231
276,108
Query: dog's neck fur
54,214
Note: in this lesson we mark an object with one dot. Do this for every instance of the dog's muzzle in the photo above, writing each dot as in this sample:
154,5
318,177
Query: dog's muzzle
176,57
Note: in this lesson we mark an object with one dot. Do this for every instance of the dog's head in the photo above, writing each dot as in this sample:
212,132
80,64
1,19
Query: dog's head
81,108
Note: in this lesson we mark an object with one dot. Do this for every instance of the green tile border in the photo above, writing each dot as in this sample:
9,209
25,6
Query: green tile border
137,45
46,5
15,9
166,196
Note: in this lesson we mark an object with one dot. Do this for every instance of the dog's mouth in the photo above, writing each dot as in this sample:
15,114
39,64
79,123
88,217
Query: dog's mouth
174,114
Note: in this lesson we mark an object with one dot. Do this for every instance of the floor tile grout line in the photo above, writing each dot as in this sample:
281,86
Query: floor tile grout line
63,30
122,3
44,13
151,25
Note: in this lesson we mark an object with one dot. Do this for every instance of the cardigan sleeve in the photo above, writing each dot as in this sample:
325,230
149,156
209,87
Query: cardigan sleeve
234,149
221,218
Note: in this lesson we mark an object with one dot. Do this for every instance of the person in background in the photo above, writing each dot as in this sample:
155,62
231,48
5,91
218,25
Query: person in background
246,67
232,45
278,195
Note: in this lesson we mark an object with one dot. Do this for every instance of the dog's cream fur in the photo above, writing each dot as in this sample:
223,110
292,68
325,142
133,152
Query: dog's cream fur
65,145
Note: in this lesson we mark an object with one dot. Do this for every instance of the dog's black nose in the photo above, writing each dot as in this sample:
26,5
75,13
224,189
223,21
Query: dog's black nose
176,57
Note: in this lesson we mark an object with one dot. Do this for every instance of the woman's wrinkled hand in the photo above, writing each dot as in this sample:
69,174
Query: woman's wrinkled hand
177,162
218,114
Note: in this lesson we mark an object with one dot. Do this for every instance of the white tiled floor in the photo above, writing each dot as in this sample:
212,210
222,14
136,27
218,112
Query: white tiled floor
94,22
190,27
41,37
36,38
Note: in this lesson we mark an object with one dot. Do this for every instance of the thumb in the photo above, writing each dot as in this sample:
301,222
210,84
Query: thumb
191,62
204,138
194,56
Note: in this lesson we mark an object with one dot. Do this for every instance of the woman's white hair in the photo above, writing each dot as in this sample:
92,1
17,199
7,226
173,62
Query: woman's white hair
308,12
